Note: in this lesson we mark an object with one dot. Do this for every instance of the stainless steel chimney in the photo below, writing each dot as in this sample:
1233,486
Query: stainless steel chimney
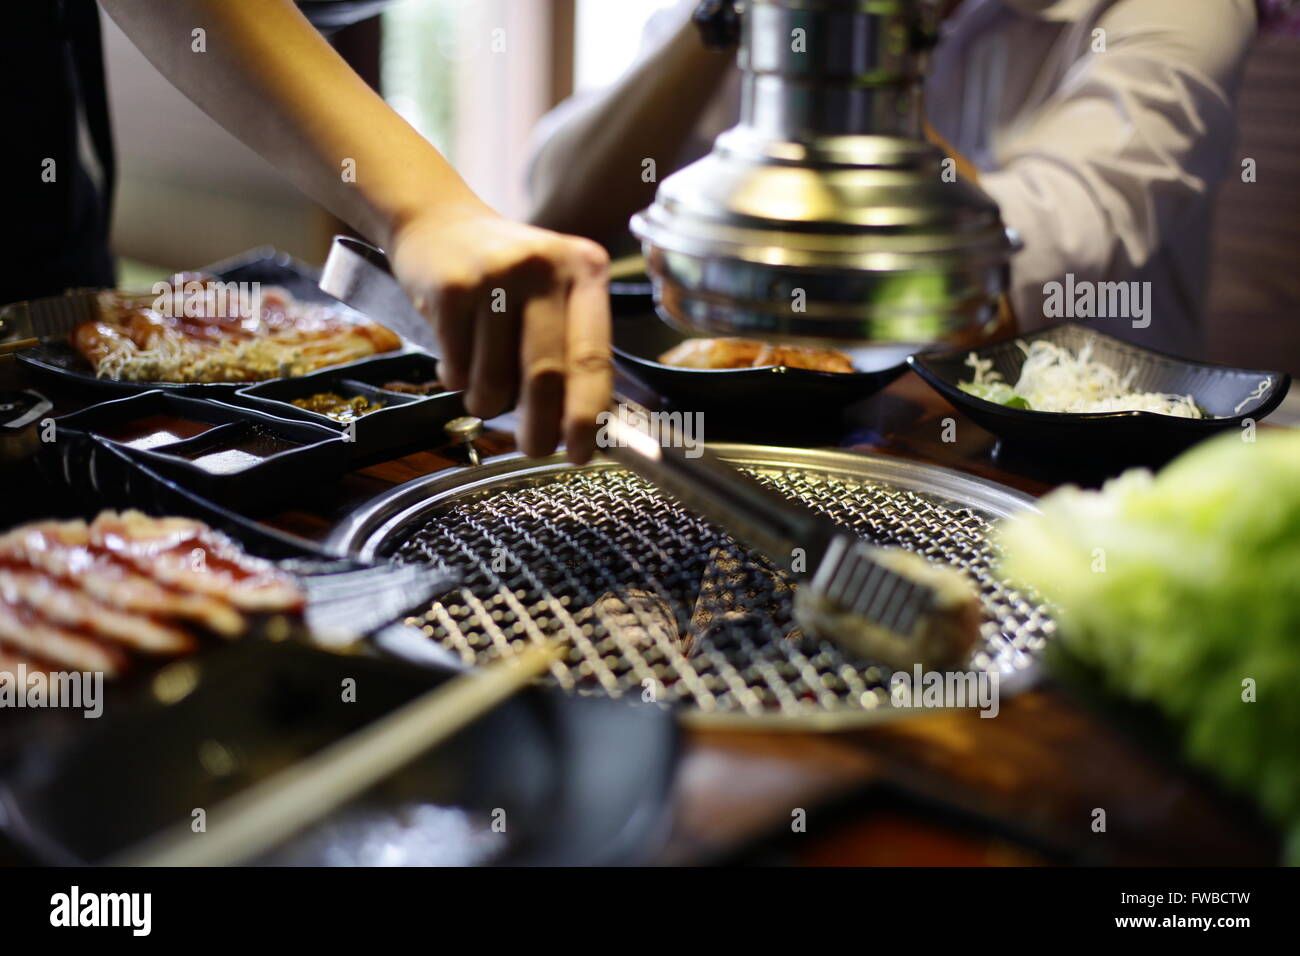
825,216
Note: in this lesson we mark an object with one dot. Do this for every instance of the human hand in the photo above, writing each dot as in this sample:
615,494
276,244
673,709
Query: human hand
522,316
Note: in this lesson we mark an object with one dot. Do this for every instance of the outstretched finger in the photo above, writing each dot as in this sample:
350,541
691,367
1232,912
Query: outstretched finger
589,378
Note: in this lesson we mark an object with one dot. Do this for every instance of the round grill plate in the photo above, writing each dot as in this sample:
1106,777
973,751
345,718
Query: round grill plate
655,601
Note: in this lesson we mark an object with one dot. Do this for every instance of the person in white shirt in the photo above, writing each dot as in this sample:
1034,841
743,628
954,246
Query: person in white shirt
1100,127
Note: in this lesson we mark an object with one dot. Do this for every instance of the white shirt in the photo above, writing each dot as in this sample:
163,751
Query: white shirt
1102,149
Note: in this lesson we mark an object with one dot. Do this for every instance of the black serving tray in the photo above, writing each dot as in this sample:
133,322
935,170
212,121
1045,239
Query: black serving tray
94,473
356,596
404,424
318,453
61,367
110,416
1232,395
59,364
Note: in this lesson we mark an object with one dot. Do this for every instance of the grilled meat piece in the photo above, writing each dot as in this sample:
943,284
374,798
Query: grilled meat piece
68,606
21,628
207,334
63,550
748,353
637,617
190,556
736,590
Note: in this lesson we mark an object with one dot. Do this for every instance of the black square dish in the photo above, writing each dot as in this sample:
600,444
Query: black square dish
1231,396
403,420
237,457
251,464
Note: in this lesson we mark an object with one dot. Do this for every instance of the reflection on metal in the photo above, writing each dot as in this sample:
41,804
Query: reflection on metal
824,215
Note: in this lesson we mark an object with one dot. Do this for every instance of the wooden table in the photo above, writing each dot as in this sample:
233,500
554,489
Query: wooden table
935,789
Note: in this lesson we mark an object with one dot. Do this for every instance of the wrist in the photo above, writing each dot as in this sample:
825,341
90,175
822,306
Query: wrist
438,209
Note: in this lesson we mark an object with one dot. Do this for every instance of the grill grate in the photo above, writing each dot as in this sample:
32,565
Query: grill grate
654,600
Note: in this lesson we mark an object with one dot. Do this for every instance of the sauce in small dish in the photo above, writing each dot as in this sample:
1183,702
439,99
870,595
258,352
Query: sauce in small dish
154,431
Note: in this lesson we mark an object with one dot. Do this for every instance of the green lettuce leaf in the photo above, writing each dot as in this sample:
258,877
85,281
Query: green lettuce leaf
1183,590
999,393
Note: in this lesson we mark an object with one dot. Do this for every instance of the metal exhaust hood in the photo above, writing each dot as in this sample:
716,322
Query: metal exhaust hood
825,217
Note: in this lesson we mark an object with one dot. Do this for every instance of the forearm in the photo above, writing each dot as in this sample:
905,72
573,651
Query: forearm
272,80
588,178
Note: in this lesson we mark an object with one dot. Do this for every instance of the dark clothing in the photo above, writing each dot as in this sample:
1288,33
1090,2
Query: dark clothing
51,73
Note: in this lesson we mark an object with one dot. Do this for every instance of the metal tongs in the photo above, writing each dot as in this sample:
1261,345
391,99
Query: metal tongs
883,604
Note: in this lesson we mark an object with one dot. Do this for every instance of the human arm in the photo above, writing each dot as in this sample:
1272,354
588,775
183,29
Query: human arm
1105,172
266,75
587,177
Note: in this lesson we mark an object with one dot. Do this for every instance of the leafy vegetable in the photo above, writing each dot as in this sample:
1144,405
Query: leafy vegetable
999,393
1183,589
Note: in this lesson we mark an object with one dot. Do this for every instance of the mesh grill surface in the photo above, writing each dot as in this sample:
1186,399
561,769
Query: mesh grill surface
605,562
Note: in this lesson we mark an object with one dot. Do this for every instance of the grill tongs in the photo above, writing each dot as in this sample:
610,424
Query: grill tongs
884,604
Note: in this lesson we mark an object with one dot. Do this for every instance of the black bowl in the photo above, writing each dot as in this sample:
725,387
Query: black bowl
1231,395
639,338
577,781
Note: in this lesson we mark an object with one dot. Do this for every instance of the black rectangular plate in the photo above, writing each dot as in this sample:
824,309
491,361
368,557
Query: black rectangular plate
61,365
320,452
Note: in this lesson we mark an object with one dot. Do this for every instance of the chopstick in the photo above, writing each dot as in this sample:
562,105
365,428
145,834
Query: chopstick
17,345
270,811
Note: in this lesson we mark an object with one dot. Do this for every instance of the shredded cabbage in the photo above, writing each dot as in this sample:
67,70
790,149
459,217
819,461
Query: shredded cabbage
1053,379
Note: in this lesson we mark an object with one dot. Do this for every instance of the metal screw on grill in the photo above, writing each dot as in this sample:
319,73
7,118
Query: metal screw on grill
464,430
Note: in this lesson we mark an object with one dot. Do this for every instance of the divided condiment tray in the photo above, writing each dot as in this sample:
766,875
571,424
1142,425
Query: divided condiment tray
393,415
241,458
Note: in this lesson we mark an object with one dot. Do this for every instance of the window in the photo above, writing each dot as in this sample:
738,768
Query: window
473,76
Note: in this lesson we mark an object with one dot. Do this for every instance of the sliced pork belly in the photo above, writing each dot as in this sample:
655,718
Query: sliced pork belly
66,605
190,556
10,661
64,551
63,649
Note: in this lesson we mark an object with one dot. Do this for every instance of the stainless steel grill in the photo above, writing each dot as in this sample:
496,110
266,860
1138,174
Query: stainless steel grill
656,601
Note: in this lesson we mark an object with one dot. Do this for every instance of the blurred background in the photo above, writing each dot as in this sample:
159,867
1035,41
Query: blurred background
475,75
